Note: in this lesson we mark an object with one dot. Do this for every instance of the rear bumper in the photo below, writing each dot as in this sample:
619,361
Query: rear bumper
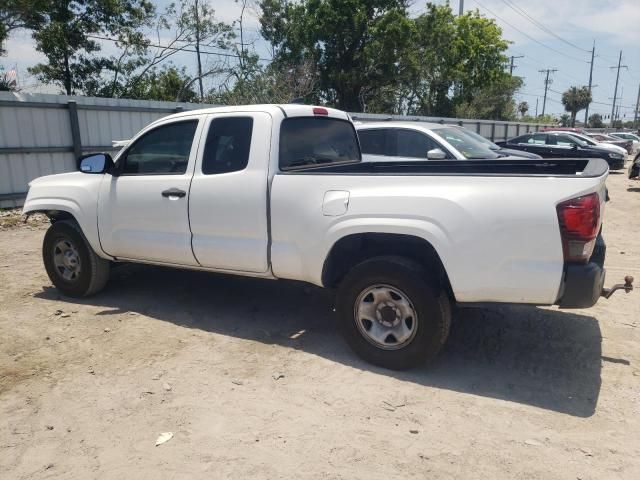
582,283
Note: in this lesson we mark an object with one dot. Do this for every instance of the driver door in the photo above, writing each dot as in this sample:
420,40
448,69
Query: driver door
143,208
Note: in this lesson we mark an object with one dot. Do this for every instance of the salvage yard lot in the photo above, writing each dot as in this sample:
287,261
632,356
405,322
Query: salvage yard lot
253,381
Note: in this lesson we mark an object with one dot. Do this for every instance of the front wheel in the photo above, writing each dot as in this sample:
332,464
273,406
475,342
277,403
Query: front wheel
391,315
72,265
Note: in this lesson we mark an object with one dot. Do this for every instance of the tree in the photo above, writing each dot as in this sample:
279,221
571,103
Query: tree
595,121
66,33
357,45
574,100
17,14
493,102
565,120
523,108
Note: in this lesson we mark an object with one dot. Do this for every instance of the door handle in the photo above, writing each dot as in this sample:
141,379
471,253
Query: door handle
174,192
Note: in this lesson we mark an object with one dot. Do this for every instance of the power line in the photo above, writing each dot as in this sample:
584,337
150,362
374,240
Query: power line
520,11
528,36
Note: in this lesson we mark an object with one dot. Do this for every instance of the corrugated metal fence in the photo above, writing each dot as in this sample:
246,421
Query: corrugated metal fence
43,134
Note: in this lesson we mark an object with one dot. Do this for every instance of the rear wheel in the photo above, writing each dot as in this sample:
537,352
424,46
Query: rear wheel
391,315
73,267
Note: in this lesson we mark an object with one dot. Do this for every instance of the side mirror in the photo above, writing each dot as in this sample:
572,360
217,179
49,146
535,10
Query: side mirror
436,154
574,146
95,163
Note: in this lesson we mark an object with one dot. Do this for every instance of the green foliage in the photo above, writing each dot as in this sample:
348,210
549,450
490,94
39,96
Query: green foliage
358,46
523,108
166,83
565,120
16,14
576,99
63,34
495,101
595,121
542,119
371,56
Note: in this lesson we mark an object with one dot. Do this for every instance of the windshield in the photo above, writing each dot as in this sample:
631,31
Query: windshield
466,144
309,141
584,140
483,140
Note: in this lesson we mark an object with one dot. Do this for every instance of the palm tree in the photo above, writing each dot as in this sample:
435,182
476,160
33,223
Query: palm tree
523,108
574,100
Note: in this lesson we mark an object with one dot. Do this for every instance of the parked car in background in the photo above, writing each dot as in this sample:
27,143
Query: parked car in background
416,141
563,145
628,136
634,168
498,149
604,138
594,143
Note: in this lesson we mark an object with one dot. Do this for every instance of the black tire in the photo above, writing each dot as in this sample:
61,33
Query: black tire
93,273
430,303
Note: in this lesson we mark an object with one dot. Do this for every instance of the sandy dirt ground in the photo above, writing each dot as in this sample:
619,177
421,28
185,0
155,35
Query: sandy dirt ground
253,381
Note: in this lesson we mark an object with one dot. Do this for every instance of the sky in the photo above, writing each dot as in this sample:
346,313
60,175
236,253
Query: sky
546,34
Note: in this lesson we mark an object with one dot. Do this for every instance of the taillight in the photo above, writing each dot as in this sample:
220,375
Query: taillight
320,111
579,220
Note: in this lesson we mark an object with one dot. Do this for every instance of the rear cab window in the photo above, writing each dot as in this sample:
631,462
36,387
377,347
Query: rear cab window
306,142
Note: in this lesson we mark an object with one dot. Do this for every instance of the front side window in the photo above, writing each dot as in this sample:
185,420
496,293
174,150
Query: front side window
537,139
565,140
310,141
374,141
164,150
413,144
228,145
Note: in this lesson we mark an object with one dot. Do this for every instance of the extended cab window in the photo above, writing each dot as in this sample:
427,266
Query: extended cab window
162,151
228,144
309,141
374,141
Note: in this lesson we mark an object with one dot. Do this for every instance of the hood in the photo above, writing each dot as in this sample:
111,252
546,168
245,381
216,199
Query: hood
57,178
605,149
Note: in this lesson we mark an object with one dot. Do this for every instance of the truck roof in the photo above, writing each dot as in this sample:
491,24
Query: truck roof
289,110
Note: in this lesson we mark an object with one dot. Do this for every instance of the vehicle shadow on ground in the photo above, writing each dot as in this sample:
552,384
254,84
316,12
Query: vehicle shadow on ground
547,358
633,189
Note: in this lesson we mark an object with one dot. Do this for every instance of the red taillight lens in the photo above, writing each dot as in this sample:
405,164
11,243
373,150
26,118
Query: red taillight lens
579,220
320,111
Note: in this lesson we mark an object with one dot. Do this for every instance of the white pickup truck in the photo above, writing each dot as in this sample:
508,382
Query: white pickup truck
281,192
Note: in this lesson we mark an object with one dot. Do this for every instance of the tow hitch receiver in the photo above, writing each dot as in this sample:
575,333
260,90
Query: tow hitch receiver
627,286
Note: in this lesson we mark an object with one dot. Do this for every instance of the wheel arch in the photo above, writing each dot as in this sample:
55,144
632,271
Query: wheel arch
355,248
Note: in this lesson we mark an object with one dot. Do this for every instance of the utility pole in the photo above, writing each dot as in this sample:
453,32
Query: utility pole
512,66
461,9
586,110
615,91
635,115
197,15
536,107
547,82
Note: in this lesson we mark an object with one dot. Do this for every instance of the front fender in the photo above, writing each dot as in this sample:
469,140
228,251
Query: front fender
74,193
